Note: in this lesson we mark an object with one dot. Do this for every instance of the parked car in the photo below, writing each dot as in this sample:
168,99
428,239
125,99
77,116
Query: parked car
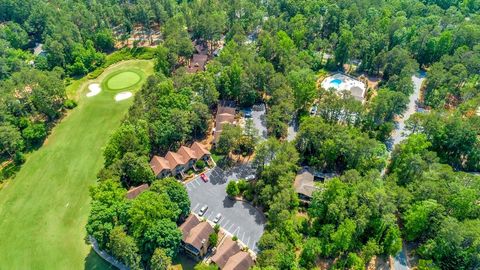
250,177
203,210
204,177
313,110
248,113
217,218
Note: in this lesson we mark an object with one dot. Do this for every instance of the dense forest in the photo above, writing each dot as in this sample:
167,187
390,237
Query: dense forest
422,192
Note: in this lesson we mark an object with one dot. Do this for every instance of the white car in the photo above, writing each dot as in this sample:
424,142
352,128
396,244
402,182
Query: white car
217,218
250,177
203,210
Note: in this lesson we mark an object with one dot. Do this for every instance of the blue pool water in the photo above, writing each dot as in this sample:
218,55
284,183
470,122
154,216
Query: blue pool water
336,82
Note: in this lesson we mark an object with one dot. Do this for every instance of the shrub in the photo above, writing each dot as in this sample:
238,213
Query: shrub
213,239
19,158
232,189
234,238
69,104
216,228
200,164
248,195
34,134
242,185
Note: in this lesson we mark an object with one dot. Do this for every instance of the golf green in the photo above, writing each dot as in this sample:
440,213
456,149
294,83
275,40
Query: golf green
123,80
44,209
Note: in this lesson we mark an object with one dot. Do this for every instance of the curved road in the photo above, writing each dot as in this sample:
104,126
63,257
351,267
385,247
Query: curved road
398,135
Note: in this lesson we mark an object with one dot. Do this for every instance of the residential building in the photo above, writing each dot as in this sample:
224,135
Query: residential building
176,163
240,261
197,63
230,256
304,185
225,115
195,235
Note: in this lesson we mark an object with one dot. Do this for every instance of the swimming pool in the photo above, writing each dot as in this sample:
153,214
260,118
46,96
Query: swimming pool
336,82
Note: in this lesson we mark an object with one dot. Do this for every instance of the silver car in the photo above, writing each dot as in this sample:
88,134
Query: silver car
203,210
217,218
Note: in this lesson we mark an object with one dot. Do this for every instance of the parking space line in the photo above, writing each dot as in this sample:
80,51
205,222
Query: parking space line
243,236
210,215
195,208
248,242
225,224
229,229
237,229
197,182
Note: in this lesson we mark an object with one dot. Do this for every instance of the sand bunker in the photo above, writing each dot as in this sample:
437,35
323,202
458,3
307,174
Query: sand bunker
94,89
123,95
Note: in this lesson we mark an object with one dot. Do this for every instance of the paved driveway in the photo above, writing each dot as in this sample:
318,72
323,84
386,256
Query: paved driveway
238,218
259,120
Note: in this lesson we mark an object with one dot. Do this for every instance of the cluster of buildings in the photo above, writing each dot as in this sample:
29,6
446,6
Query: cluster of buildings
195,243
177,163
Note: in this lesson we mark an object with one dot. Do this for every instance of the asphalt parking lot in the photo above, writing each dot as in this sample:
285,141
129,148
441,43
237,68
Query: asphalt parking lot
238,218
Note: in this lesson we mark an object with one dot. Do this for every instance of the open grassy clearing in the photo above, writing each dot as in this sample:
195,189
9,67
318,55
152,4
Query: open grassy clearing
43,211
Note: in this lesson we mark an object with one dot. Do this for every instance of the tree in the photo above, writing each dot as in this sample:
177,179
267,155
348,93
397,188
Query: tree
337,147
161,233
127,138
123,248
134,170
229,138
204,266
104,40
204,85
411,158
423,219
108,204
149,208
310,252
175,191
14,34
342,52
160,260
455,245
165,61
303,84
34,134
10,140
232,189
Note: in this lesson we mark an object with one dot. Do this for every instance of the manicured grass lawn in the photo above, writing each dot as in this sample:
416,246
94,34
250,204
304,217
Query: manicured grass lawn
43,211
122,80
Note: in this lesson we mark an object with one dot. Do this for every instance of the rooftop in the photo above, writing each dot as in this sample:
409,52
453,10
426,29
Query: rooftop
239,261
226,250
198,235
304,183
133,192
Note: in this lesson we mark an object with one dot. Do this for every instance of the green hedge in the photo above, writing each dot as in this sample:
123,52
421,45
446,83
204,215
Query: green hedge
121,55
